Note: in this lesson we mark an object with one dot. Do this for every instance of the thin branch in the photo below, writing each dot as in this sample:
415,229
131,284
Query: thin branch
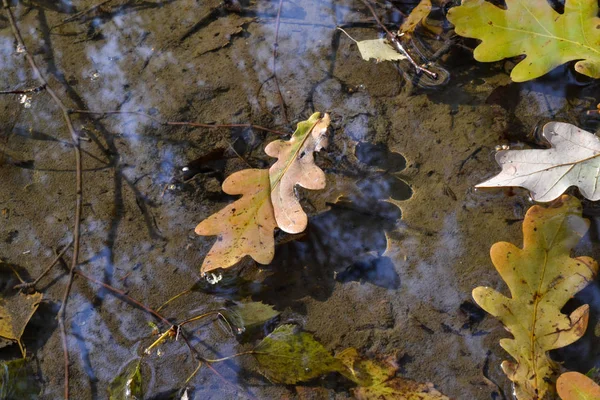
125,296
27,285
24,91
275,48
86,11
202,316
231,356
176,123
368,4
79,182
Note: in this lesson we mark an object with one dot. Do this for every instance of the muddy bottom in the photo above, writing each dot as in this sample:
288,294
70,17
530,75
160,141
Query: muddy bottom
387,278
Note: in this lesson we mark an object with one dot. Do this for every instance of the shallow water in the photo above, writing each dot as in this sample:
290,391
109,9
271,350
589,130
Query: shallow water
211,62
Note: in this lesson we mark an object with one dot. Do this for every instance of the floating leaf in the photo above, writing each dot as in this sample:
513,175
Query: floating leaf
296,166
249,315
289,356
541,277
377,381
378,49
128,384
533,28
418,14
18,381
573,160
576,386
246,226
15,313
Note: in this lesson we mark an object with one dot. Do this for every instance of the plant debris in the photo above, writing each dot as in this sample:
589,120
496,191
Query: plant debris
576,386
541,277
15,313
535,29
296,166
573,160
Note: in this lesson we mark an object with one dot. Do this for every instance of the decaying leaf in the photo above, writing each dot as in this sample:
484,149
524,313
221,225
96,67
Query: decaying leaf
15,313
296,166
541,277
244,227
576,386
418,14
573,160
378,381
18,381
532,27
128,384
289,356
249,315
378,49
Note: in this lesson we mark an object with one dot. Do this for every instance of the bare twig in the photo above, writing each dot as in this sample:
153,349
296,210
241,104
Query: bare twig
275,48
27,285
24,91
79,184
125,296
176,123
86,11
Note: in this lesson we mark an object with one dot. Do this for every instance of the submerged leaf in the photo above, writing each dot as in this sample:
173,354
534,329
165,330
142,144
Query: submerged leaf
573,160
296,166
128,384
378,49
377,380
576,386
18,381
15,313
541,277
289,356
249,315
246,226
418,14
532,27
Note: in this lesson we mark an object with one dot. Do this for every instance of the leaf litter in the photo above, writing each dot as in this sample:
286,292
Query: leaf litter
575,386
15,313
289,356
541,278
246,227
534,29
18,381
296,166
573,160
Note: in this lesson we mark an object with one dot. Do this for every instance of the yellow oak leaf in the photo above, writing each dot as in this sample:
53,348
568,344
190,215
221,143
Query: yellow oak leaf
533,28
541,278
296,166
244,227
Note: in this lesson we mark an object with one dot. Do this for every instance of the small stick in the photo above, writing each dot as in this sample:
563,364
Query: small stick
78,184
86,11
202,316
124,295
27,285
174,123
173,298
275,48
24,91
